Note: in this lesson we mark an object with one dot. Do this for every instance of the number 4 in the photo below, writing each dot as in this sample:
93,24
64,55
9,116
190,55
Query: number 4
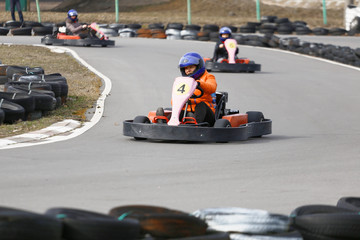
181,89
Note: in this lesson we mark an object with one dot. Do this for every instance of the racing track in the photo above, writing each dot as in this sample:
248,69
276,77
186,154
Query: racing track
312,157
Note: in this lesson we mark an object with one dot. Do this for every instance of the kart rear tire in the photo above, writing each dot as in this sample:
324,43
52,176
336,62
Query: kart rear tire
222,123
141,119
255,116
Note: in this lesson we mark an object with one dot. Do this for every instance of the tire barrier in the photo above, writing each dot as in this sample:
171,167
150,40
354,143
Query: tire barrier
308,222
29,93
268,24
344,55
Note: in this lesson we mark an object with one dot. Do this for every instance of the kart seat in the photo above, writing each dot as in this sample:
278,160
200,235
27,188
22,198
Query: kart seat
221,100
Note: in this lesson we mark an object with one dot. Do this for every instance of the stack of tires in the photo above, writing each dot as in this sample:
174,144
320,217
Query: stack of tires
27,28
210,32
30,92
250,27
130,222
110,32
157,30
129,30
173,31
190,32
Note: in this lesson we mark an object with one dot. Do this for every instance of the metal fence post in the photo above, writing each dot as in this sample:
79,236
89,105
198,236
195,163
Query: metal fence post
117,10
258,10
189,11
38,10
324,12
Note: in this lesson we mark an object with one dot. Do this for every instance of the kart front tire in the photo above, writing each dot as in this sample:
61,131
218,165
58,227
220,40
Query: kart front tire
222,123
254,116
141,119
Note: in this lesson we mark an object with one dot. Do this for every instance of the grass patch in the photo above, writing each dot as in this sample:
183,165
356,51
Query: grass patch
84,85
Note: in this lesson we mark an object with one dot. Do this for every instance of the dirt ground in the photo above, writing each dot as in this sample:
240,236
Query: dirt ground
220,12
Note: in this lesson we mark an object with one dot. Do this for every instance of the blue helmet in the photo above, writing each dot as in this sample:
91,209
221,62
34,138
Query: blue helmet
189,59
224,30
71,13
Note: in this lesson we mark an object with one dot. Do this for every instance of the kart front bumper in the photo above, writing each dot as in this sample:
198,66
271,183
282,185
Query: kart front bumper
196,133
77,42
237,67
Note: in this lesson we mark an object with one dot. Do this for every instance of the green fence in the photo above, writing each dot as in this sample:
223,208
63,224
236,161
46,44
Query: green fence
22,2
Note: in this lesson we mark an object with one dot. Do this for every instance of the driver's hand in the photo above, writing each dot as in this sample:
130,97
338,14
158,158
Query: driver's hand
221,45
84,26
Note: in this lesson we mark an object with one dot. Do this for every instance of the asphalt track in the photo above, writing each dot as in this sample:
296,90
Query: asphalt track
312,157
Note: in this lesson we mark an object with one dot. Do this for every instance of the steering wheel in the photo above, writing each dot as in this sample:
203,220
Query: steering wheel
201,92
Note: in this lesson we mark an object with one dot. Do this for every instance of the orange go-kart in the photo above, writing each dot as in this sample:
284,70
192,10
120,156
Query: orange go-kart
96,37
229,125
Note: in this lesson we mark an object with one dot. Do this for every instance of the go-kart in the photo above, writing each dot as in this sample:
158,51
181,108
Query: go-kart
229,125
231,64
96,37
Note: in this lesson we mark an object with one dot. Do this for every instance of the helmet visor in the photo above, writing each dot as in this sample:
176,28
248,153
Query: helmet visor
188,60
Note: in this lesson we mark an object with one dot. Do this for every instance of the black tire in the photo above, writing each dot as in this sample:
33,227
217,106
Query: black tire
24,31
4,31
24,100
222,123
337,31
32,24
13,112
210,28
192,27
343,225
134,26
18,224
28,85
141,119
281,20
86,225
178,26
12,24
10,70
55,86
351,203
156,26
315,209
312,236
254,116
247,29
320,31
2,116
42,31
43,102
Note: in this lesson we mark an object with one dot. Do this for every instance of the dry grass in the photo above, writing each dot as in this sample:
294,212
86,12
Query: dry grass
84,86
220,12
